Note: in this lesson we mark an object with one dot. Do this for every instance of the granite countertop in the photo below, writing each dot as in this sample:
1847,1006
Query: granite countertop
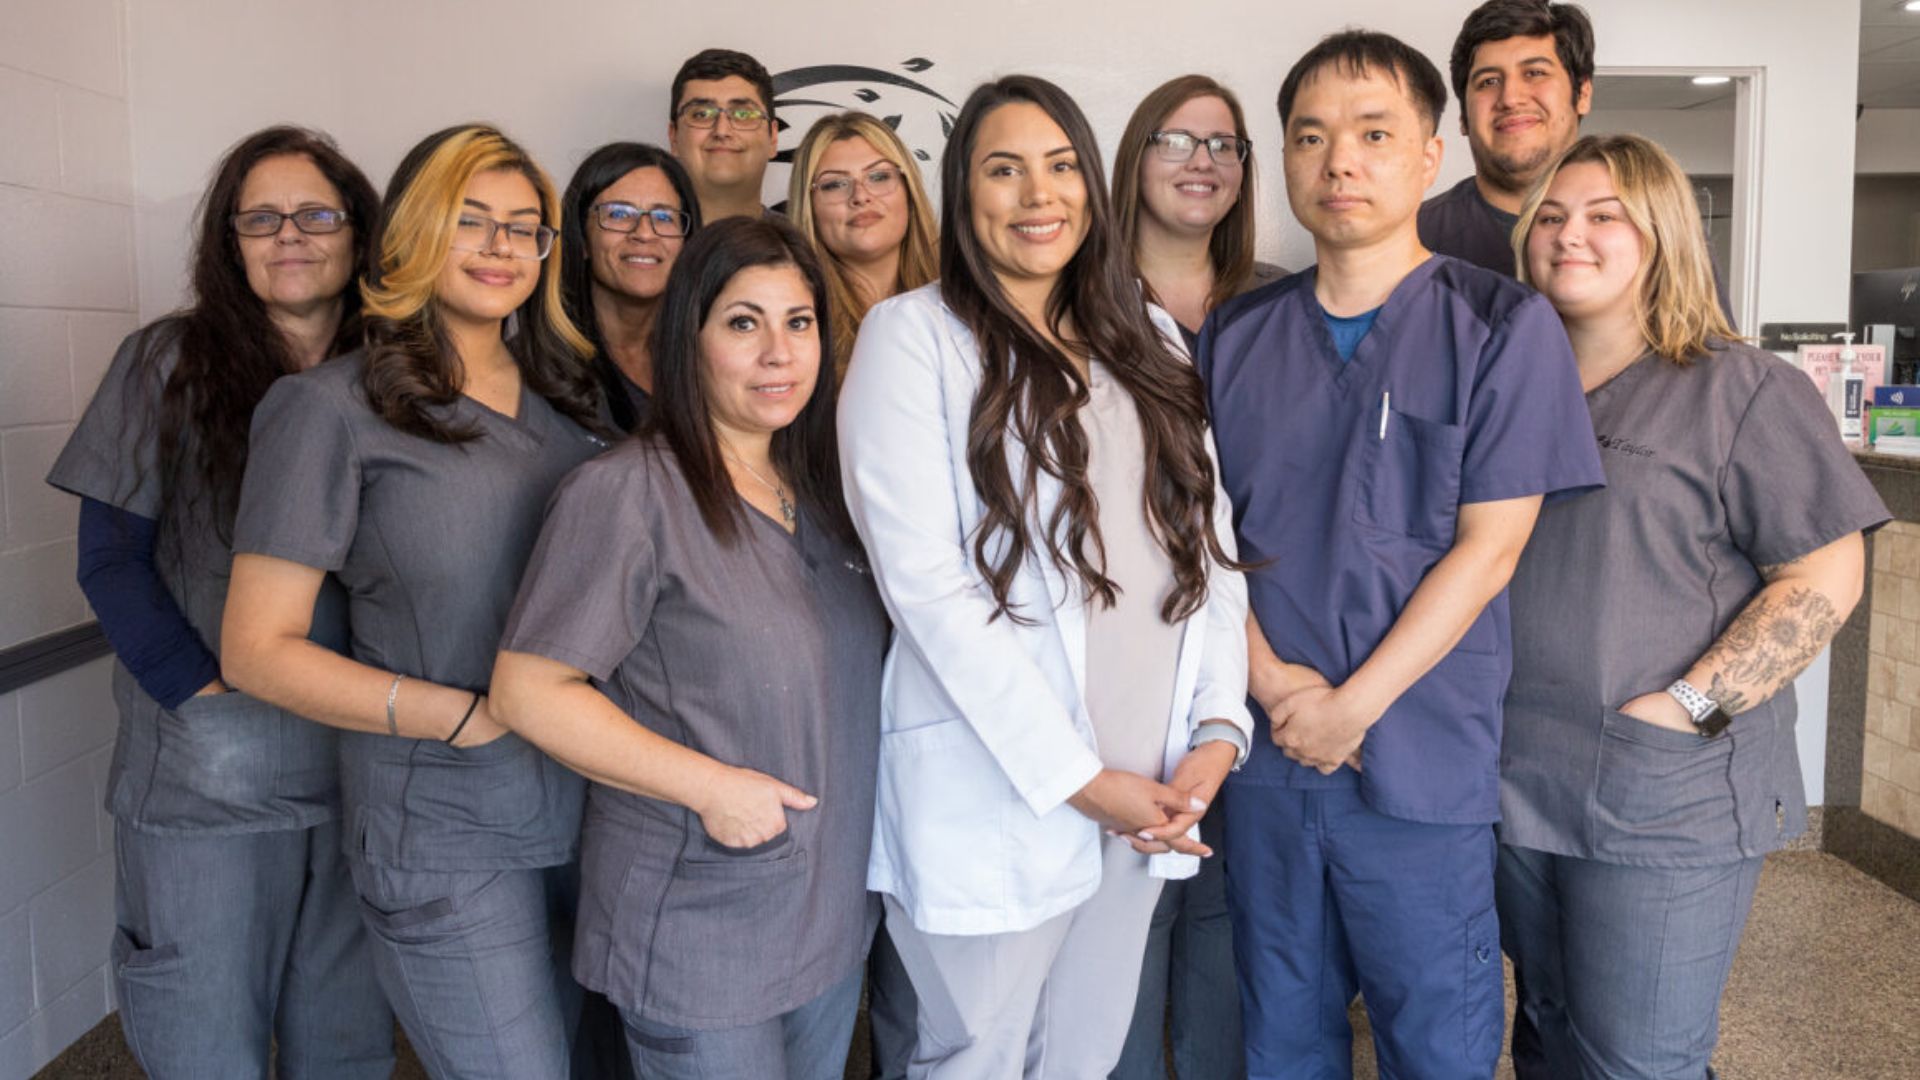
1872,459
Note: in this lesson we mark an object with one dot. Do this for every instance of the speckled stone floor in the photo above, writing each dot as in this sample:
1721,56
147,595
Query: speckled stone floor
1827,985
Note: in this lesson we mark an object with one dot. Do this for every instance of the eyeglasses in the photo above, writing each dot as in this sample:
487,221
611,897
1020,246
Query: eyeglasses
705,114
619,217
1180,145
524,241
314,221
835,188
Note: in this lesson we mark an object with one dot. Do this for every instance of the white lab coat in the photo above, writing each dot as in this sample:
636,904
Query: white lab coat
984,733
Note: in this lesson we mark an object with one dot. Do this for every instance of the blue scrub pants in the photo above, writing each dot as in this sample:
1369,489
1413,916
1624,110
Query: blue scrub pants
476,965
230,942
1189,965
807,1043
1330,898
1620,968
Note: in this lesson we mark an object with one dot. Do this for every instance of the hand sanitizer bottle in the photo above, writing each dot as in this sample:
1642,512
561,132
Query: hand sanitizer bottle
1846,389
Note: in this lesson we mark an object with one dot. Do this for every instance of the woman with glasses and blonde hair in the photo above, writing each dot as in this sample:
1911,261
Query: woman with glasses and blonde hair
1183,164
857,196
415,472
1648,761
235,921
628,210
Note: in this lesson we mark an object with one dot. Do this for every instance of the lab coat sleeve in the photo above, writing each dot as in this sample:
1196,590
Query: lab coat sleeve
904,480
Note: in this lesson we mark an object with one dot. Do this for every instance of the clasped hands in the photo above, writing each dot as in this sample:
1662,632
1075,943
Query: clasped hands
1314,724
1155,817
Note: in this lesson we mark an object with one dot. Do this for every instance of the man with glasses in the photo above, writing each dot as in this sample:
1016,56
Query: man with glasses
722,130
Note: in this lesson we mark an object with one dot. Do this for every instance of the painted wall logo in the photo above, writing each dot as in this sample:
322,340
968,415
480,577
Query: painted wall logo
920,114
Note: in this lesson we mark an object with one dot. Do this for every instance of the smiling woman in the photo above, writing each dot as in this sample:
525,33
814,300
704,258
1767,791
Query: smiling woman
1083,582
415,473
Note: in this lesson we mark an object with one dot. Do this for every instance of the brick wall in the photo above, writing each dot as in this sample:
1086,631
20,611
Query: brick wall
66,299
1890,780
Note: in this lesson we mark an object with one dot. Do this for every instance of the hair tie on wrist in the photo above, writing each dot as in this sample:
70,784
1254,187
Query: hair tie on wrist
462,725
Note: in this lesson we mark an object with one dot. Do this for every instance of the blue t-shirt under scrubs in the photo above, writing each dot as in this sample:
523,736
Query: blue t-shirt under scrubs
1346,479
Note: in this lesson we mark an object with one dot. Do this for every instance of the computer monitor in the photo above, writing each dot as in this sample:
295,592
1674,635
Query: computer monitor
1891,297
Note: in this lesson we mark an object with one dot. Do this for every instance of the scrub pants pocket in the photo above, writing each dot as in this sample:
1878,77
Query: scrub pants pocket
1483,998
147,980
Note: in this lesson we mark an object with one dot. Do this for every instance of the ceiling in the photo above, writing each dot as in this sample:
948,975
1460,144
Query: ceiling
1889,55
1659,92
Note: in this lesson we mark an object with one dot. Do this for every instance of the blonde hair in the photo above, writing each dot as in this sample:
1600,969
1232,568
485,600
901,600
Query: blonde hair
919,249
1677,306
411,364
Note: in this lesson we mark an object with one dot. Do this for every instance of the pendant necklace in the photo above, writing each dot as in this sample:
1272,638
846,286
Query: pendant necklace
787,510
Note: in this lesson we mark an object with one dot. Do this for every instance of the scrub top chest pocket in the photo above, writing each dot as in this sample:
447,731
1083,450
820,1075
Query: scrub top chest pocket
1407,474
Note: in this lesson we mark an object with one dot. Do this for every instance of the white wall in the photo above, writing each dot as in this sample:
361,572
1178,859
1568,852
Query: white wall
66,298
1701,140
1887,141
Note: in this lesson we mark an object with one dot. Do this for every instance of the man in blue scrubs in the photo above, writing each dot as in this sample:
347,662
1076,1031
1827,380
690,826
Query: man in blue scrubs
1388,423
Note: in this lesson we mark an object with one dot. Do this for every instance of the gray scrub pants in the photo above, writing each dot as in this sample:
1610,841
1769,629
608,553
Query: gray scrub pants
1621,967
807,1043
228,943
475,964
1050,1003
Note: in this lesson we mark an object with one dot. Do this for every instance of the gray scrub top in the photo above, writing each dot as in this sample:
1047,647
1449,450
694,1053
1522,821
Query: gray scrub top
429,540
1713,469
222,763
765,653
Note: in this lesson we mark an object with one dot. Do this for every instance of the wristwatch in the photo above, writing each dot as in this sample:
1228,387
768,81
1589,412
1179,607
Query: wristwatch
1709,719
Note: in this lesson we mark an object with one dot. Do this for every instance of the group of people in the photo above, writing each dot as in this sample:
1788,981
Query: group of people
572,620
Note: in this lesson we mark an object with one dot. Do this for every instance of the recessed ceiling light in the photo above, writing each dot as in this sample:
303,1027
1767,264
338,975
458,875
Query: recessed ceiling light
1910,5
1722,80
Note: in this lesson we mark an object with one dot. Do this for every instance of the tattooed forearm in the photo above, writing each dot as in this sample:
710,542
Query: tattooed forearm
1778,634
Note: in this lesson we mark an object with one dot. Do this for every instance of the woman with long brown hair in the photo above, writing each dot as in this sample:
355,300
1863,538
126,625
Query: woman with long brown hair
1648,762
1027,460
415,473
236,925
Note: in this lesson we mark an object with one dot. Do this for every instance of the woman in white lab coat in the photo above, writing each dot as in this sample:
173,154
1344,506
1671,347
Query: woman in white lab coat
1028,464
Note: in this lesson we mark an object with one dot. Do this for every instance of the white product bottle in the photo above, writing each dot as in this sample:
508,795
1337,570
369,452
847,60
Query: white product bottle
1846,389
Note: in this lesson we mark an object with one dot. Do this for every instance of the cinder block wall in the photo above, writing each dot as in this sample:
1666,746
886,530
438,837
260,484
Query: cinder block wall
66,299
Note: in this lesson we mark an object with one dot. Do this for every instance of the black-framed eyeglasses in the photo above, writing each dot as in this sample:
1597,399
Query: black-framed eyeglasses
705,114
837,187
620,217
1180,145
525,240
313,220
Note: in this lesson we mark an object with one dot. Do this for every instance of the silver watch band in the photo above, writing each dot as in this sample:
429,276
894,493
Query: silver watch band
1207,733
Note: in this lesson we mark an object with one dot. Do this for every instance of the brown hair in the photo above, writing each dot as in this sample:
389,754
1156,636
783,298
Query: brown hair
1231,246
919,254
1030,389
1677,305
412,369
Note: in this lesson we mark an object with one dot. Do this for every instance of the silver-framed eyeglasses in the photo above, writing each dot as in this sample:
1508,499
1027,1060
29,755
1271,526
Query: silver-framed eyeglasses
621,217
837,187
312,220
525,240
705,114
1180,145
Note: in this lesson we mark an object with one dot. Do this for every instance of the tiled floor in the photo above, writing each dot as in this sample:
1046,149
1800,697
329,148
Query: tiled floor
1827,985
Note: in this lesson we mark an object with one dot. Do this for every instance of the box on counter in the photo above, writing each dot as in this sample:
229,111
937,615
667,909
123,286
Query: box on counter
1904,396
1893,422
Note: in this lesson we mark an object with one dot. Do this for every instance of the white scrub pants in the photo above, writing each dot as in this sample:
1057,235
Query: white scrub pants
1050,1003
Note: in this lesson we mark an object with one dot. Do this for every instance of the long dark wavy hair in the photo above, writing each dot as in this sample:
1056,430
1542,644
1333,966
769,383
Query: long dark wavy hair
806,451
597,173
1030,387
413,373
229,351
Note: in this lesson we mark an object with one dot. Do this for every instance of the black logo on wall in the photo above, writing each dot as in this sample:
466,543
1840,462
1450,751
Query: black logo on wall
921,115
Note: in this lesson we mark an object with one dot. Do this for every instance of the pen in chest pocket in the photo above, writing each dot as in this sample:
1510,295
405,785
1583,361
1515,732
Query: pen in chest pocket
1386,400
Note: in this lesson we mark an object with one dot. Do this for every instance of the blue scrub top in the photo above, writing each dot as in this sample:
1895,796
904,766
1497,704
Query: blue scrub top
1346,481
